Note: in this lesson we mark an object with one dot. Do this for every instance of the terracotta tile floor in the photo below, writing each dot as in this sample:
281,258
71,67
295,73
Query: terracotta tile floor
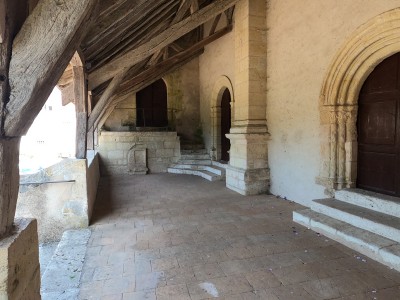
182,237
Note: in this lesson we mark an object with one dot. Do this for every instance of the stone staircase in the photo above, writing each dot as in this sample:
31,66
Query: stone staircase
198,162
364,221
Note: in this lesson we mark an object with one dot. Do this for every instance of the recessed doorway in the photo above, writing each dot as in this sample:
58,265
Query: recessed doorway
151,105
225,124
378,165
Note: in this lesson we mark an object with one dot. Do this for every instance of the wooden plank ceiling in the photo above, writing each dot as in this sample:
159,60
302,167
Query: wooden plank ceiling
124,25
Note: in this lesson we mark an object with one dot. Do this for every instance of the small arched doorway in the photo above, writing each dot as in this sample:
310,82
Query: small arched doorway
378,125
225,124
151,105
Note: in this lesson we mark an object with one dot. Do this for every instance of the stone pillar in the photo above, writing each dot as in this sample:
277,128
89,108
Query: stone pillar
248,171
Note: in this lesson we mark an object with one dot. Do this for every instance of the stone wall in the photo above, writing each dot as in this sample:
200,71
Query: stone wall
216,62
162,149
183,104
60,197
184,99
302,41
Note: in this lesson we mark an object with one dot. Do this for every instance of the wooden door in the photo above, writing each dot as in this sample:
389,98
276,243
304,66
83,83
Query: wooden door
225,124
378,129
151,104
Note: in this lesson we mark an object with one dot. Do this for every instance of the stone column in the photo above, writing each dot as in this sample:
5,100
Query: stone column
248,171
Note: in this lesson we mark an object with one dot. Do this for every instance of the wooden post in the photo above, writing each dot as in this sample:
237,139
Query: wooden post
80,96
9,182
40,54
10,20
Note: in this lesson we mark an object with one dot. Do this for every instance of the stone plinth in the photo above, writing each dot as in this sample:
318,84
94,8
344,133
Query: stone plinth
248,172
19,262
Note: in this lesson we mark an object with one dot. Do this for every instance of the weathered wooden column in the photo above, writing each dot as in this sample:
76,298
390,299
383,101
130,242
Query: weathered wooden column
248,171
81,107
32,59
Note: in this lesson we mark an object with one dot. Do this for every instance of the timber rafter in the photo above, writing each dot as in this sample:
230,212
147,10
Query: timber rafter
140,66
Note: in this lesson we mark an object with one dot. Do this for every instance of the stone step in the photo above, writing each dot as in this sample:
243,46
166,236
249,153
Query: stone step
219,164
194,156
206,162
199,151
377,202
62,276
204,174
191,146
373,221
212,169
381,249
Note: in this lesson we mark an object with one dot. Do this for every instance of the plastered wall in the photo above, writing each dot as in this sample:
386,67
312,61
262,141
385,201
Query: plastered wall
183,98
303,39
217,61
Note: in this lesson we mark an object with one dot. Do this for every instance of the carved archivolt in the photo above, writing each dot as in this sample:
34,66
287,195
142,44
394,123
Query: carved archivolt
367,47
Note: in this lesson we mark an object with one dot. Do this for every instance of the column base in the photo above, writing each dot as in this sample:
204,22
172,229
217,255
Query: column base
19,262
247,182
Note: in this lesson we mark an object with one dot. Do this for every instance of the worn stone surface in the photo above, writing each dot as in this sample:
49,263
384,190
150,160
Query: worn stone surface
19,262
164,236
63,273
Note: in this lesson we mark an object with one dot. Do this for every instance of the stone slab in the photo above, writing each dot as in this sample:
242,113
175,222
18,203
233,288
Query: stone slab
63,273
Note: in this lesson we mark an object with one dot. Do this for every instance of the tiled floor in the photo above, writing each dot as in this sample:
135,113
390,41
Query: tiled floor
182,237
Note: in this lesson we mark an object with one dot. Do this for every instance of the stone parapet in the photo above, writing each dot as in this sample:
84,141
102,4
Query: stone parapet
162,150
19,262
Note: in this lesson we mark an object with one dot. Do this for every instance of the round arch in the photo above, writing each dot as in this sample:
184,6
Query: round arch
369,45
220,86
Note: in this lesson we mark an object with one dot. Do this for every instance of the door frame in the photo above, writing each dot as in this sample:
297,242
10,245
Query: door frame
368,46
219,87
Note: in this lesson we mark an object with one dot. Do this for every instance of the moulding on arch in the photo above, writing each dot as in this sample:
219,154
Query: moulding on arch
369,45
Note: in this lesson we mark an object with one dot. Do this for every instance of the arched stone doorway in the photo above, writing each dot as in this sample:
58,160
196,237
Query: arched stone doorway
226,116
372,43
151,105
222,87
378,124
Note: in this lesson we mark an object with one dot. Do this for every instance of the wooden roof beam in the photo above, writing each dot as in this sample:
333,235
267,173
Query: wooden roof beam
168,36
108,93
194,6
156,72
41,52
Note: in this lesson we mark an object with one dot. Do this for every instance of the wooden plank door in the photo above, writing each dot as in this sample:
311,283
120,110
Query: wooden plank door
225,124
151,105
378,130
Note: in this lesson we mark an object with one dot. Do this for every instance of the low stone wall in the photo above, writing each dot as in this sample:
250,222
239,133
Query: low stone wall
162,149
60,197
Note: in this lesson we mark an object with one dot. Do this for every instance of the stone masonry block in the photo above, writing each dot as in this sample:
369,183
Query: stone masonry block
19,262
